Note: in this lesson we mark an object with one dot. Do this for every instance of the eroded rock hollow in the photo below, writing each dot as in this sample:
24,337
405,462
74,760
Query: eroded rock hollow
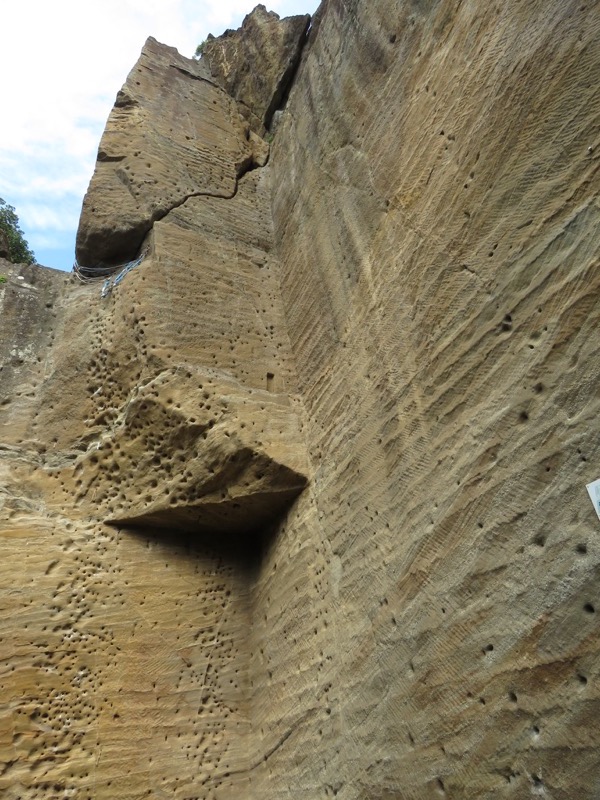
293,497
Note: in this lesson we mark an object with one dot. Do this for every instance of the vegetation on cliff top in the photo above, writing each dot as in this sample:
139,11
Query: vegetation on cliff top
200,49
12,240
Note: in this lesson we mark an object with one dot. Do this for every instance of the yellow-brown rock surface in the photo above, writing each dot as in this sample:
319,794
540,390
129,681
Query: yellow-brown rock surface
379,358
167,409
257,62
173,133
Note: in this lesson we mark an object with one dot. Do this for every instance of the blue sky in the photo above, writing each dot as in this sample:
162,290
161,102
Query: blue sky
62,64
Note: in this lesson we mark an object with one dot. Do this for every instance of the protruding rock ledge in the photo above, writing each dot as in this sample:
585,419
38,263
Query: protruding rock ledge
172,134
221,459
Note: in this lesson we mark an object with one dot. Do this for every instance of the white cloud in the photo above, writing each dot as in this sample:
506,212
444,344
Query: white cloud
62,64
44,218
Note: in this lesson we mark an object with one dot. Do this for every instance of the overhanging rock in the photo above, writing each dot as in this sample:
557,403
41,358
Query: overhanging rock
219,459
172,134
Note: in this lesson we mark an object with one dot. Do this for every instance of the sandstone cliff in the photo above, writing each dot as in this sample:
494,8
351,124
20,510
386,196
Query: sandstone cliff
295,505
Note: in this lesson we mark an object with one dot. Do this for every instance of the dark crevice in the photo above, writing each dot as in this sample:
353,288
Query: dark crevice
235,548
283,739
284,87
105,158
280,742
124,100
246,166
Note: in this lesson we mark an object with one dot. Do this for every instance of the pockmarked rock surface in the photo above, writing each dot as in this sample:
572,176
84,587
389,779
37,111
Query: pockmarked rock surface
160,419
257,62
214,474
298,507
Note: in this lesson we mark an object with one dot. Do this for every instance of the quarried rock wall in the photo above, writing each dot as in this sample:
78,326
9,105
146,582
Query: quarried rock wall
296,506
164,407
435,201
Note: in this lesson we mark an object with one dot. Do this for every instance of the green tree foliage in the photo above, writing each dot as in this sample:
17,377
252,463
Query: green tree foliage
200,50
19,251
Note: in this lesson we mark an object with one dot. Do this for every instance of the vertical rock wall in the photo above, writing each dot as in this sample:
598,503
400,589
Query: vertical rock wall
436,208
340,419
165,407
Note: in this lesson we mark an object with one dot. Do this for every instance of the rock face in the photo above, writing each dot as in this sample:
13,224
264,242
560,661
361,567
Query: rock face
30,302
160,419
299,507
173,134
224,480
256,63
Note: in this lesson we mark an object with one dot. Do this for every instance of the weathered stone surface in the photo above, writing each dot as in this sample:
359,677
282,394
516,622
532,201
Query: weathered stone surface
30,305
401,310
182,373
172,134
257,62
436,182
214,472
